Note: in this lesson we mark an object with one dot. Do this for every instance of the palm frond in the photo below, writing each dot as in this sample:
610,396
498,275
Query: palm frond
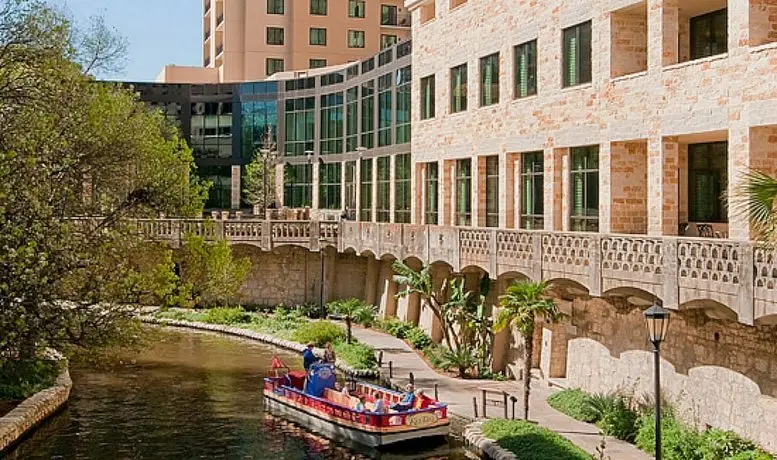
756,199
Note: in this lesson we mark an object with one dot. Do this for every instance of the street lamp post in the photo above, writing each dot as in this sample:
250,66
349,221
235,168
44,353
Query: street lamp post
657,319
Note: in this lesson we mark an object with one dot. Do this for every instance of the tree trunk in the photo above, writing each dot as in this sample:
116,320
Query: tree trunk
348,329
528,352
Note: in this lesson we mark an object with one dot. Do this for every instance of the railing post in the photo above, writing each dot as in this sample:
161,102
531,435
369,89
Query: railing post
483,403
315,236
595,265
266,235
492,253
475,406
456,262
746,291
536,273
219,229
504,398
671,264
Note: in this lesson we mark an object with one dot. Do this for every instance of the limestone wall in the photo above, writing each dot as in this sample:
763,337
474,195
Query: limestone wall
34,410
718,373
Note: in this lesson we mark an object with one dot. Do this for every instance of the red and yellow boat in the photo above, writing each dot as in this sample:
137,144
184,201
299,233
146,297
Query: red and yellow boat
311,400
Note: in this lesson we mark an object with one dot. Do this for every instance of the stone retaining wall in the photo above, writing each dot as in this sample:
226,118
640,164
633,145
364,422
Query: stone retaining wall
34,410
266,338
485,447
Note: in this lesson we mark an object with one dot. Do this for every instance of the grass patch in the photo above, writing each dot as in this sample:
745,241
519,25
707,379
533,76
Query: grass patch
22,379
574,403
356,355
532,442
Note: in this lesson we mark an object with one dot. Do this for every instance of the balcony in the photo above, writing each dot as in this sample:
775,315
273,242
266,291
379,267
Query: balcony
220,19
206,62
206,8
401,19
219,49
206,35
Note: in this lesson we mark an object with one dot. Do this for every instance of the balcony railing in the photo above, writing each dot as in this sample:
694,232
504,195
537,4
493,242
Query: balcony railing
207,7
219,49
395,20
739,275
219,19
206,62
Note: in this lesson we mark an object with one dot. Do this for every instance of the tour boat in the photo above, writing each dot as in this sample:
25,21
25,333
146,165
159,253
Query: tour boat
310,399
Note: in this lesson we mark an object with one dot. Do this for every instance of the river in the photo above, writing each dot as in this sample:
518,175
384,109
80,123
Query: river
190,396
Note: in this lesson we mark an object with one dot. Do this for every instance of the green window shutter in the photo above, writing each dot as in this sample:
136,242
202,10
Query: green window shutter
523,72
572,59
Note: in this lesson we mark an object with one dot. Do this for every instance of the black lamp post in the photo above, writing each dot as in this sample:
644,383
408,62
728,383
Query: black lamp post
657,319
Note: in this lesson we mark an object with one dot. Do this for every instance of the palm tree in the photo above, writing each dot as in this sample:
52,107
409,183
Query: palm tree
523,303
352,310
758,200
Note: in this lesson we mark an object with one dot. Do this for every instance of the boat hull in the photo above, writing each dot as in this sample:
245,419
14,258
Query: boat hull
343,430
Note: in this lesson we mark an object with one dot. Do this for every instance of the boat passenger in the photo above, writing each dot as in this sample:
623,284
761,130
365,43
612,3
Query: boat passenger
308,358
329,354
379,407
346,390
408,398
360,405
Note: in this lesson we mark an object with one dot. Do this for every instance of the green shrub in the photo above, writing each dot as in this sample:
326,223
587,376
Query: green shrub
356,355
462,360
753,455
724,444
182,315
574,403
679,442
434,354
531,442
418,338
229,316
619,421
22,379
312,310
397,328
319,333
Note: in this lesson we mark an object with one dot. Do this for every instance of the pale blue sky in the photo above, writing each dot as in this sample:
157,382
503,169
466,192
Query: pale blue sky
159,31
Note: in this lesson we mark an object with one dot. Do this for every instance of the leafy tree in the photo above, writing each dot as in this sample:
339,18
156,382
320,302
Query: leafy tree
352,310
523,303
72,149
462,359
212,271
259,184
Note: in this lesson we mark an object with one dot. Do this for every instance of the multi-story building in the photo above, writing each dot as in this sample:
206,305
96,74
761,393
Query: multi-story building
246,40
326,128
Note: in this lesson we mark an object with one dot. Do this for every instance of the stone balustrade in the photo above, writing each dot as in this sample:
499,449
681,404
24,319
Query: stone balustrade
737,277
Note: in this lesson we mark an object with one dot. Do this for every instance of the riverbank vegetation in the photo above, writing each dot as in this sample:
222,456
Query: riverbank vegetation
625,417
531,442
288,324
21,379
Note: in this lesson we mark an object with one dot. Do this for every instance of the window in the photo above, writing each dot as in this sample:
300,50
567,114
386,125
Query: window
220,194
525,69
432,190
387,41
330,177
532,191
332,78
464,192
274,6
459,88
355,39
298,186
317,36
492,191
489,80
403,105
402,189
300,131
368,114
368,65
427,97
365,211
707,180
577,54
318,7
316,63
585,189
385,57
211,129
709,34
274,65
388,15
352,119
331,124
384,110
355,8
275,35
383,205
350,189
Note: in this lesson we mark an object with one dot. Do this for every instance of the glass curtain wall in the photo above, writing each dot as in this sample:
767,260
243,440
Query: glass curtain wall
331,124
383,204
330,179
432,185
368,114
300,126
384,110
365,189
298,186
402,189
352,119
403,105
350,189
211,129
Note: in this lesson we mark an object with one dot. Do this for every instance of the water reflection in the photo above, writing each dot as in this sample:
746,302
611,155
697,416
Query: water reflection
191,396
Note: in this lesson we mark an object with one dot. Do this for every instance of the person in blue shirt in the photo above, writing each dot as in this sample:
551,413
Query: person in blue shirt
408,399
308,358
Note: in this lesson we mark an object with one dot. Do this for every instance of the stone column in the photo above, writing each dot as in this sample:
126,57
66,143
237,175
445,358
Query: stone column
663,34
553,185
663,186
448,193
605,187
740,160
387,289
509,191
371,281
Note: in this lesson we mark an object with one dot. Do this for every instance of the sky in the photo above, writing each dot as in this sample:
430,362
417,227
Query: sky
159,32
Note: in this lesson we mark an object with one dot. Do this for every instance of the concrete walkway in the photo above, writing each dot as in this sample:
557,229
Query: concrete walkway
458,395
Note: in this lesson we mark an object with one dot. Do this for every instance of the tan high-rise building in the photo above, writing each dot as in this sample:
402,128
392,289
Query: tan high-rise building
249,40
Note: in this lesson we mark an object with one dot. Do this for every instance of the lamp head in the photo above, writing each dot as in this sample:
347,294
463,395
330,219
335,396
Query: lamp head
657,319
